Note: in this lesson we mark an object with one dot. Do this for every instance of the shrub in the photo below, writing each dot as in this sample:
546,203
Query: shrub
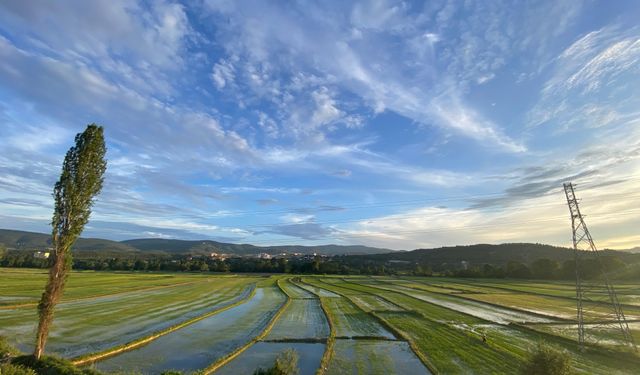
7,352
546,360
10,369
47,365
286,364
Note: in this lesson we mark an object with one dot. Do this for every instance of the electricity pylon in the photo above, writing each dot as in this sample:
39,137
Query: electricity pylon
598,308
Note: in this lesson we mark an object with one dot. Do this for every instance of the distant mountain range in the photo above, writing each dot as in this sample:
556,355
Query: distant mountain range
149,247
479,254
90,247
497,255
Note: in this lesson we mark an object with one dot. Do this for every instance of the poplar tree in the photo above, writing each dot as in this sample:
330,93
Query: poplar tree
80,181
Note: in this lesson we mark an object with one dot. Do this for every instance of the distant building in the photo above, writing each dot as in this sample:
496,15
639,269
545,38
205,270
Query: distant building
41,254
219,256
264,256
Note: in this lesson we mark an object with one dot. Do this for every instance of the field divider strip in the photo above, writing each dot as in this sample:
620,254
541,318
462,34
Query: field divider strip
231,356
398,333
93,357
328,350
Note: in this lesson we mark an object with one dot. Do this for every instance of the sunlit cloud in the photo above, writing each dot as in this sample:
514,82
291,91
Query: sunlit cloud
385,123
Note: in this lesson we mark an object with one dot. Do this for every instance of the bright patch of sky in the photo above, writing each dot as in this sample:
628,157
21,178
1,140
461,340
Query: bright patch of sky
390,124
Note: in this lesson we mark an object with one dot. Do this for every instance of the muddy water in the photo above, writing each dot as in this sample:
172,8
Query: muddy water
263,354
202,343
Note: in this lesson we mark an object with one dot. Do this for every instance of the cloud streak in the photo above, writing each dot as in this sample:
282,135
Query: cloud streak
259,122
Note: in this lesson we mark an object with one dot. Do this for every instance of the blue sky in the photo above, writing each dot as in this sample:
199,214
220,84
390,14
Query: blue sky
390,124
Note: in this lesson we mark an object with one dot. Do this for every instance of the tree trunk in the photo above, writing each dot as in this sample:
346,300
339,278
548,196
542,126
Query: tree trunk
51,296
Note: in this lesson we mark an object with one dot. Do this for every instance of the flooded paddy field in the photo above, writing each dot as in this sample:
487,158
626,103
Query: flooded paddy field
263,355
302,319
232,324
200,344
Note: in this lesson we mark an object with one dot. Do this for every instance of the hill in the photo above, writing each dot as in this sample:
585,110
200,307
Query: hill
444,256
21,240
462,256
483,253
96,247
208,246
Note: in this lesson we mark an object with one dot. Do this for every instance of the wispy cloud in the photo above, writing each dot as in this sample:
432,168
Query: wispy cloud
351,62
593,82
256,121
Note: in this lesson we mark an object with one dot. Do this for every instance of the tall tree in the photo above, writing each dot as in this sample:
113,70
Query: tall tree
81,180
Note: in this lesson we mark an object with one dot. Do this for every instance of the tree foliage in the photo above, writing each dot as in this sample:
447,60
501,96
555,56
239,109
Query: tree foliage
10,369
80,181
545,360
286,364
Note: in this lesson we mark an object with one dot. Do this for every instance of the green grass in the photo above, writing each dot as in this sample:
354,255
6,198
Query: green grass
295,291
350,321
452,341
23,286
374,357
302,319
430,317
93,324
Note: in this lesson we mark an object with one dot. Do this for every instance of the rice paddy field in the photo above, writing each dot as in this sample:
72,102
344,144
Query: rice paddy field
232,324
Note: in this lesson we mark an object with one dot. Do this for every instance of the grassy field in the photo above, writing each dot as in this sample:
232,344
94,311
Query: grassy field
129,306
338,325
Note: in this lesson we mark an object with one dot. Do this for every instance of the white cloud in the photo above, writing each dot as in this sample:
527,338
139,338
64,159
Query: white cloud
378,14
593,83
542,219
36,138
297,218
378,66
326,111
102,29
223,74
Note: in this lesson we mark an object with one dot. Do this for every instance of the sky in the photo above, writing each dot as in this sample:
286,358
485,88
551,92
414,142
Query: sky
400,125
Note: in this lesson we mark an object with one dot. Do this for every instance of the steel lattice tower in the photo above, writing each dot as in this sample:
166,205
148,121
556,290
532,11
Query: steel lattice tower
596,295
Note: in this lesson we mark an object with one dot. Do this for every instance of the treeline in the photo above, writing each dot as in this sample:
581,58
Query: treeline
548,269
347,265
307,265
173,264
